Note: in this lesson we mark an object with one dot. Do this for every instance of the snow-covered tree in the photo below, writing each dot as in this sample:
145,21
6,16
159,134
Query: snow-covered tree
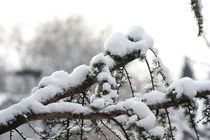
167,110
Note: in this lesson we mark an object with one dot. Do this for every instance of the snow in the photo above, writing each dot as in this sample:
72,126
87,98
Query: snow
147,118
99,58
185,86
102,58
59,78
120,44
74,108
132,119
188,87
60,81
79,75
104,76
46,93
163,69
122,119
31,104
48,88
202,85
109,61
117,44
34,89
67,107
135,33
104,100
157,131
109,98
64,80
113,94
105,94
38,129
75,129
98,103
154,97
61,107
106,86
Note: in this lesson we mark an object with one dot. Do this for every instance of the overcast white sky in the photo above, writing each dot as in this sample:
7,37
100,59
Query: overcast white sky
170,22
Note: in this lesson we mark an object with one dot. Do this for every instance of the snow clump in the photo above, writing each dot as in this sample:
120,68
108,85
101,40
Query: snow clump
136,39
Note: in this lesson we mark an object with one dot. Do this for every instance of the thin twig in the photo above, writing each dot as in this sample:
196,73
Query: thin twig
120,125
169,121
82,123
10,134
120,82
150,73
167,113
111,130
67,133
106,138
20,133
159,65
35,130
192,121
45,137
129,80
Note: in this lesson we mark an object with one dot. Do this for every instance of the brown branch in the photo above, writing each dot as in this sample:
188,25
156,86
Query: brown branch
178,102
20,119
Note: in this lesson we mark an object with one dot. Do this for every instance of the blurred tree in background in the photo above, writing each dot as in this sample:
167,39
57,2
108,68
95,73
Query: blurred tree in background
62,44
187,70
56,45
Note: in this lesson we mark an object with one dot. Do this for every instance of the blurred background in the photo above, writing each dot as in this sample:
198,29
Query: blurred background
38,37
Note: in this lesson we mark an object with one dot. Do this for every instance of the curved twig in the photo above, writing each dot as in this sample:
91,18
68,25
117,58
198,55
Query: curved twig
111,130
129,80
124,131
150,73
20,133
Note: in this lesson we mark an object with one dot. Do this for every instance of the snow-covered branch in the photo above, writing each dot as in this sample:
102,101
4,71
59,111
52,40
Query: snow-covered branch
155,100
120,49
47,99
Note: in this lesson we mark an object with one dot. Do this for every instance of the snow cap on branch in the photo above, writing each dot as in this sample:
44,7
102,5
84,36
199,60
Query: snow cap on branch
185,86
135,39
147,118
101,58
